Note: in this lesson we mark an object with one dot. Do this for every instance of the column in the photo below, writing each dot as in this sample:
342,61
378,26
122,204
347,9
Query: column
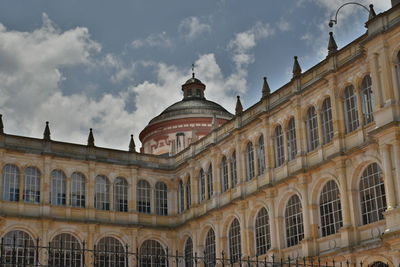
306,215
344,198
45,183
376,84
194,183
21,183
91,185
320,131
229,163
68,191
359,106
239,160
111,194
256,156
388,177
272,215
133,178
396,148
386,73
184,181
216,173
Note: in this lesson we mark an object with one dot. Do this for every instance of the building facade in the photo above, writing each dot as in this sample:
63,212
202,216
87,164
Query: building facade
311,170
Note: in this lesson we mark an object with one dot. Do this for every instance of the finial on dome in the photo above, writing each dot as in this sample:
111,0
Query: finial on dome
296,68
193,70
332,46
90,141
46,134
132,146
372,13
239,107
265,89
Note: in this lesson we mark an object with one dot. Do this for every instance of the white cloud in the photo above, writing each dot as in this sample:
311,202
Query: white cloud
153,40
192,28
283,25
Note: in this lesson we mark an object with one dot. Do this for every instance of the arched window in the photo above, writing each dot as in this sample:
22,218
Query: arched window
210,183
65,251
330,209
161,198
262,233
261,155
350,109
379,264
181,197
189,253
202,185
249,161
209,249
233,169
224,174
372,194
58,188
152,254
109,252
367,98
279,152
78,189
312,129
121,195
32,185
188,194
327,122
10,183
143,196
235,248
294,221
102,193
291,138
18,249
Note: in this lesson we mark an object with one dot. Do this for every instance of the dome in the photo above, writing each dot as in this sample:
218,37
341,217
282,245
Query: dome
193,80
195,107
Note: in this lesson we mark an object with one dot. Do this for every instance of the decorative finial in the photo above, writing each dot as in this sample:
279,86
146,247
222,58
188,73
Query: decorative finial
193,70
332,46
265,89
372,13
239,107
90,141
1,124
296,68
132,146
46,134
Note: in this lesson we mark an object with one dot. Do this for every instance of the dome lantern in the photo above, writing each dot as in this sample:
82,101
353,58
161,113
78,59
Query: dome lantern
193,88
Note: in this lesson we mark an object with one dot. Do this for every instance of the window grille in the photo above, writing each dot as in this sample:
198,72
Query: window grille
235,249
32,185
279,152
294,221
372,194
14,252
367,98
121,194
188,194
209,252
181,197
189,253
351,110
330,209
312,129
327,122
143,196
78,189
224,174
262,232
152,254
210,183
58,188
234,169
261,155
110,253
161,198
249,161
65,251
291,137
102,193
202,185
10,183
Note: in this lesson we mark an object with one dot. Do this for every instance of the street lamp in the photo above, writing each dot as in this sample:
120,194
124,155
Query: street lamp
334,21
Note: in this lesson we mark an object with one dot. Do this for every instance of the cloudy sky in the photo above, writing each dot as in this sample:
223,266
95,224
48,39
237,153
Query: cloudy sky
113,65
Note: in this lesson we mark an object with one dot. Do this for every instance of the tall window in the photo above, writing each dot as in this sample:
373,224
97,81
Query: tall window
224,174
263,238
261,155
209,249
78,189
188,194
367,98
58,188
279,152
102,193
120,194
210,183
291,138
10,183
372,194
294,221
202,185
235,249
233,169
18,249
189,252
330,209
350,109
181,196
312,129
65,251
398,70
32,185
161,198
143,196
152,254
249,161
109,252
327,122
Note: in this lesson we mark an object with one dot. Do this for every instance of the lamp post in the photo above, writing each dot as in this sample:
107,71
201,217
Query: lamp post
334,21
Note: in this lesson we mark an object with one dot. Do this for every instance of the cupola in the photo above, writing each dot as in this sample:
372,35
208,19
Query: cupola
193,88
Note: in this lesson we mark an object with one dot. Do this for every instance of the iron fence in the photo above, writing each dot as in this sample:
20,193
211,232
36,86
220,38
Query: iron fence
15,254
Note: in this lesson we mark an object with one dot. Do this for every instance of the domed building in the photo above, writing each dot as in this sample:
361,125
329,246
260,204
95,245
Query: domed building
183,122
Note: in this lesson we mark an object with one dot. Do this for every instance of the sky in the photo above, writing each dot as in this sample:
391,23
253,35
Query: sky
114,65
